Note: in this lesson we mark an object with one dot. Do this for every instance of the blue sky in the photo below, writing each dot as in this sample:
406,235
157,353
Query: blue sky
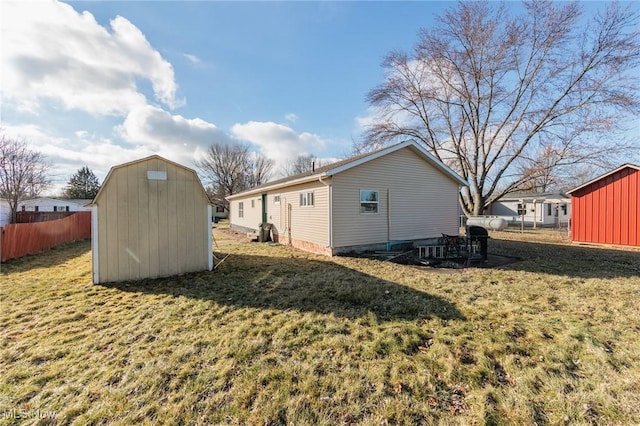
101,83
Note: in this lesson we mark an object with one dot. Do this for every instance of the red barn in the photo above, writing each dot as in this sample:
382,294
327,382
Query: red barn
607,209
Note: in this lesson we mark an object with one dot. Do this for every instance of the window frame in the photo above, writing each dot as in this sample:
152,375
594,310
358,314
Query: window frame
370,202
276,200
241,209
307,199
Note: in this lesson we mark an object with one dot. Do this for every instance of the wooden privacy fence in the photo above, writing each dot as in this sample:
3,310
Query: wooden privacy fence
21,239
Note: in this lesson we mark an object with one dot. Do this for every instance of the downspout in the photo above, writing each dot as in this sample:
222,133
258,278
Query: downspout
329,212
388,216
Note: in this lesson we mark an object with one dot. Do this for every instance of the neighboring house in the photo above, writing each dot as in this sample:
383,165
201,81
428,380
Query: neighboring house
607,209
398,193
220,212
46,204
151,218
5,212
546,209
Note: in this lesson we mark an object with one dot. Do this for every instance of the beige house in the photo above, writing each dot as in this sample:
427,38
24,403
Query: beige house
398,193
151,218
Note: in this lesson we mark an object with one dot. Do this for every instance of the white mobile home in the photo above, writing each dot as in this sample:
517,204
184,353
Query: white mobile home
46,204
398,193
534,209
151,218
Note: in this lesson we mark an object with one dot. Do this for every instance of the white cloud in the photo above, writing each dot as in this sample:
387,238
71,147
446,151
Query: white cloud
277,141
291,117
52,52
192,58
166,134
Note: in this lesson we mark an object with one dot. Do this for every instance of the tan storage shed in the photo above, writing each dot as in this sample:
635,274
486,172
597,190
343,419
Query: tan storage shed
151,218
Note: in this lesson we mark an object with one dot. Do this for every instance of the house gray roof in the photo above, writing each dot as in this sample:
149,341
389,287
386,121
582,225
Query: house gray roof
515,196
340,166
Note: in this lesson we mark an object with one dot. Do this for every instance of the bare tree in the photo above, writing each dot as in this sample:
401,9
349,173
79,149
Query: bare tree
486,91
231,168
303,163
259,170
23,173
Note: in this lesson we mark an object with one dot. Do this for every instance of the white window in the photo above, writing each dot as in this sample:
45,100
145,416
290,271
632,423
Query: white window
240,209
276,199
306,199
368,201
563,207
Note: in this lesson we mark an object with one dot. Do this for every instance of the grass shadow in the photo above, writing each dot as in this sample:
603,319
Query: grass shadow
573,260
300,284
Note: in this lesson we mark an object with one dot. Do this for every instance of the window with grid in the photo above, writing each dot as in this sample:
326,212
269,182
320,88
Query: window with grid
306,199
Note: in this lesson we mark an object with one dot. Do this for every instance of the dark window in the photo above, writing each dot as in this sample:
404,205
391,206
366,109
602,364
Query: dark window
522,209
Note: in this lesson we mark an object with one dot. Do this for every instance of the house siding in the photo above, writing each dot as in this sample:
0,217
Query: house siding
252,217
151,228
298,225
423,201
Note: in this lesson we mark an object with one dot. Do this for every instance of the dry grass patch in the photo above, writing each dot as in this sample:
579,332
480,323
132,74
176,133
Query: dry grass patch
278,336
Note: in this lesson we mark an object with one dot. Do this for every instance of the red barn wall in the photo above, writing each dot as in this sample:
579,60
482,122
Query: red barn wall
608,210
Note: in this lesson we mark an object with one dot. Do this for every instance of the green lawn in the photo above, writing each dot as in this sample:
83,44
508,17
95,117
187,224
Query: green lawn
278,336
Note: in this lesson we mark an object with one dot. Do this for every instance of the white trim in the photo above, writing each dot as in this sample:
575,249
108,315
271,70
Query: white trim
95,251
156,175
210,235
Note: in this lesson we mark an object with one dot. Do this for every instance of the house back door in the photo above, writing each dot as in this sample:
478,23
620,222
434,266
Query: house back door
264,208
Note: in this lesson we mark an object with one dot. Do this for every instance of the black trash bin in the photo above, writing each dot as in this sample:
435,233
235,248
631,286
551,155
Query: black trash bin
265,232
480,235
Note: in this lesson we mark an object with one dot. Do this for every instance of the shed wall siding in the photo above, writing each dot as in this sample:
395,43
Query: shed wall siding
151,228
608,210
423,201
